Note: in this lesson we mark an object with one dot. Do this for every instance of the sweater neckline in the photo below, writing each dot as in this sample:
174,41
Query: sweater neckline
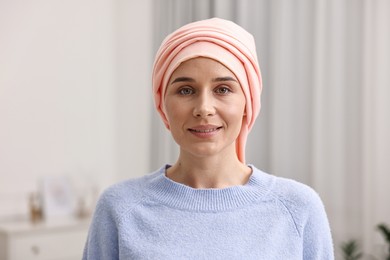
180,196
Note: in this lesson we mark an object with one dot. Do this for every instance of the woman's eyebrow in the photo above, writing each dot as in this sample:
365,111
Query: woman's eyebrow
224,79
185,79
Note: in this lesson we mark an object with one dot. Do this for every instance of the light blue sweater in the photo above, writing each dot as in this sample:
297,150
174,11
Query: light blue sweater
154,217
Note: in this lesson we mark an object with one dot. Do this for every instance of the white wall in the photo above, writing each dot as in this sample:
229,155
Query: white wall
73,90
134,87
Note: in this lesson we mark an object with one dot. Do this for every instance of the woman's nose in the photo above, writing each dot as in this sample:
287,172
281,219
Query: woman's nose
204,106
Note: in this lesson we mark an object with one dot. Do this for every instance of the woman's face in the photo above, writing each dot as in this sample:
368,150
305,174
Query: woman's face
204,105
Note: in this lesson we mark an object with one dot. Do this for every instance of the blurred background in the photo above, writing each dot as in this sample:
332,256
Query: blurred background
75,100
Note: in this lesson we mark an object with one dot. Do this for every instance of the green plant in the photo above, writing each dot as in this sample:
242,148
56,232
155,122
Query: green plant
351,250
386,234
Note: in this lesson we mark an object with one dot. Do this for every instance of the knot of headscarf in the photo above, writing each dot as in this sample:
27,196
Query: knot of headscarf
223,41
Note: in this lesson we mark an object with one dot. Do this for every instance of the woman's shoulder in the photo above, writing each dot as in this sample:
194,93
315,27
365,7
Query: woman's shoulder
125,193
293,194
130,187
299,200
295,191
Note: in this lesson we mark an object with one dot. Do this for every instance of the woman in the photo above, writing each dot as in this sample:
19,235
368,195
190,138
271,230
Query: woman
210,204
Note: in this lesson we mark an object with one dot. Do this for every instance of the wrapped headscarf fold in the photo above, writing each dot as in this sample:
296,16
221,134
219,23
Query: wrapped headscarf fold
220,40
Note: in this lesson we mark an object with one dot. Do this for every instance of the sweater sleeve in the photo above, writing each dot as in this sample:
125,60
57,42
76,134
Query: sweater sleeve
316,235
102,241
309,216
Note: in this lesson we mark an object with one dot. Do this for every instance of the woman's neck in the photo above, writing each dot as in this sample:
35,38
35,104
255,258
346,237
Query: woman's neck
209,172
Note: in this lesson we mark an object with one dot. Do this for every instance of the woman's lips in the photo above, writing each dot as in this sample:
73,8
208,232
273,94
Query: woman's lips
204,130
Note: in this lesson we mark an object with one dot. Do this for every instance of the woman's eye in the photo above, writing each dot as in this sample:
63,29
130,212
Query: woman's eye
223,90
185,91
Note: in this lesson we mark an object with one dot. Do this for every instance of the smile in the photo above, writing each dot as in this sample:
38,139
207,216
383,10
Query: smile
205,130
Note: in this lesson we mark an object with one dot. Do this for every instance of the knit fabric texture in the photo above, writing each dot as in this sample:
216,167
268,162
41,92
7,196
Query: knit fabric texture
153,217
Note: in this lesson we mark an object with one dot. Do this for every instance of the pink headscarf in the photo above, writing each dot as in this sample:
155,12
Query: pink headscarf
223,41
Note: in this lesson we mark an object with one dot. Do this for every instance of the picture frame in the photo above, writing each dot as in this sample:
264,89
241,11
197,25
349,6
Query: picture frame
57,197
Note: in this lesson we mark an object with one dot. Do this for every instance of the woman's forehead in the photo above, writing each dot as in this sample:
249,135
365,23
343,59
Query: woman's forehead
202,66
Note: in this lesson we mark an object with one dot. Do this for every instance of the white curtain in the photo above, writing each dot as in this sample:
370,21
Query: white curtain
325,117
